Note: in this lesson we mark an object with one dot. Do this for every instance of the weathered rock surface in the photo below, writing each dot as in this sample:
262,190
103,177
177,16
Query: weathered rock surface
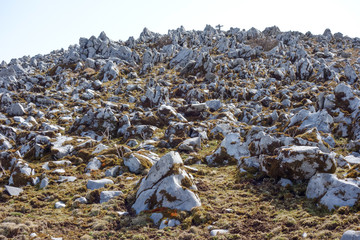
298,162
167,185
333,192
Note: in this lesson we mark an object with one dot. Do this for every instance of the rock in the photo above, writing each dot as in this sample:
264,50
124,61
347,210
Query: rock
16,109
230,151
59,205
167,185
105,196
190,144
96,184
351,235
216,232
285,182
298,162
214,105
345,97
93,165
350,74
13,191
81,200
44,182
333,192
137,163
156,217
113,172
304,69
169,223
351,159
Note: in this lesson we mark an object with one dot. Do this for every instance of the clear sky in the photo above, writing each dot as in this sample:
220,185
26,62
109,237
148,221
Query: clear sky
29,27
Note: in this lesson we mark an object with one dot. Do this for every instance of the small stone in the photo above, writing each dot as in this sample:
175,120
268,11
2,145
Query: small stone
59,205
122,213
218,232
105,196
44,182
13,191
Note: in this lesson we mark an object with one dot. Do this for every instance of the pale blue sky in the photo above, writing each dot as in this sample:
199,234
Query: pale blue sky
29,27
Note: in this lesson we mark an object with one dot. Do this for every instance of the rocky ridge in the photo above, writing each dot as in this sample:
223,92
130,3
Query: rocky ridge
122,122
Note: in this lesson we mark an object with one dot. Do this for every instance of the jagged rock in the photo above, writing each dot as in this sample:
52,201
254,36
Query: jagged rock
321,120
298,162
333,192
345,97
166,185
230,151
304,69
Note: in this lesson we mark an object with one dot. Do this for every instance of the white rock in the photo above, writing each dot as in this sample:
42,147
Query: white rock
99,148
352,159
190,144
13,191
93,165
44,182
60,204
105,196
96,184
333,192
218,232
351,235
81,200
167,185
231,148
137,162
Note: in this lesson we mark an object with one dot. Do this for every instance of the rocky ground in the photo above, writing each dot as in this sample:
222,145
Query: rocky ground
189,135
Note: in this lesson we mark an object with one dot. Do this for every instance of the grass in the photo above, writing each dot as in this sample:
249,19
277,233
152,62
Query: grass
250,208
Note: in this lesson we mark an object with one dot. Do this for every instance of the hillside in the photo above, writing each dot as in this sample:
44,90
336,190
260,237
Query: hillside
238,134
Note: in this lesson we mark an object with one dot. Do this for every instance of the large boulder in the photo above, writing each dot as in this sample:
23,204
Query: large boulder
333,192
298,162
167,185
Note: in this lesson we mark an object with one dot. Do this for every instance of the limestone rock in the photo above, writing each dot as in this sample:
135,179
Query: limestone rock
298,162
333,192
230,151
167,185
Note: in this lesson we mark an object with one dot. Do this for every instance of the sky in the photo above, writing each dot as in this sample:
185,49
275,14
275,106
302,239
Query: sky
30,27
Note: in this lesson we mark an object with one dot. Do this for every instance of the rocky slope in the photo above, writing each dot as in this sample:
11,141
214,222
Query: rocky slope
189,135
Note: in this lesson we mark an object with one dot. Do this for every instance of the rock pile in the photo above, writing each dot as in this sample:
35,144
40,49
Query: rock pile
283,103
